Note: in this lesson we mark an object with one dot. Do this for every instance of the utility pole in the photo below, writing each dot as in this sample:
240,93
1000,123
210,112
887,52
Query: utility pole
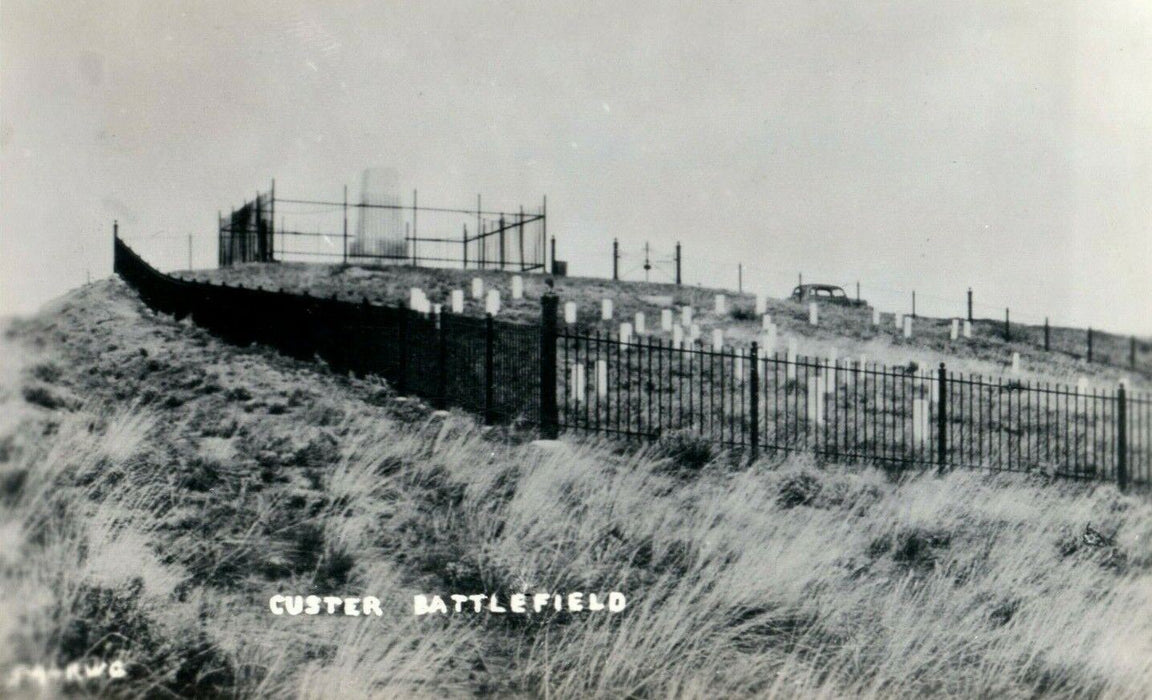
969,304
913,303
740,278
647,263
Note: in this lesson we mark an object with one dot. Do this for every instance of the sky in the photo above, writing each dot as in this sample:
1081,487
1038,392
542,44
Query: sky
929,146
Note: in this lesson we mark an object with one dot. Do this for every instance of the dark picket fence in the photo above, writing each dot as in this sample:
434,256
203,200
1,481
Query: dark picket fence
741,400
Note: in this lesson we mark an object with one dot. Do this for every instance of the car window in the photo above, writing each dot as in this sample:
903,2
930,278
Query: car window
838,293
823,292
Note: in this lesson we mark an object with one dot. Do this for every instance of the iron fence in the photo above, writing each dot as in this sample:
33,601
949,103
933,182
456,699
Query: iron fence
646,388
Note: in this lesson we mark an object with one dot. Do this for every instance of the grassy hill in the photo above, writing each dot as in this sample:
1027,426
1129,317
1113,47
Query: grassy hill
845,332
157,486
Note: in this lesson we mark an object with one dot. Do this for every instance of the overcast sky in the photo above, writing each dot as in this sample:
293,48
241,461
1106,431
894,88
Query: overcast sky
909,145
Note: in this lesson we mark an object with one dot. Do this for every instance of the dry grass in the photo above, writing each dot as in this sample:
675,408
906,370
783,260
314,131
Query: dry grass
157,529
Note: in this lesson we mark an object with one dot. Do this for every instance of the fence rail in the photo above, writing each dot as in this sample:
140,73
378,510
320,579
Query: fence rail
740,399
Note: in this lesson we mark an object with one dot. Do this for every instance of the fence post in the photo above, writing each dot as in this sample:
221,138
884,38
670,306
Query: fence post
754,395
1007,326
442,378
615,259
489,364
942,420
549,411
677,263
1089,343
969,304
1121,439
402,383
1046,332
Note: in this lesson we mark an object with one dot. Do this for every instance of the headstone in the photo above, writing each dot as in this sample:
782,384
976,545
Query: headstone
717,339
477,288
815,402
829,375
686,316
721,304
570,312
738,369
666,320
678,335
761,303
641,326
625,332
919,421
968,329
875,317
693,331
863,365
416,299
955,334
907,326
899,320
1015,363
813,314
765,321
606,310
517,287
601,378
436,308
457,301
576,382
492,303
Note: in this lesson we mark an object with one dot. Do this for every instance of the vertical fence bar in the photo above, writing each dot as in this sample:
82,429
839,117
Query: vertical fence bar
942,419
754,395
489,366
442,377
1121,439
549,411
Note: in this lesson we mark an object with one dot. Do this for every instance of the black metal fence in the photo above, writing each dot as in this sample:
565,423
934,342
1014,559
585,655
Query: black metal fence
487,366
649,389
379,229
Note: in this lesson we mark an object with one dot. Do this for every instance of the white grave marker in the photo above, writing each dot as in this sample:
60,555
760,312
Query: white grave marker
570,312
606,310
919,421
625,332
955,334
766,321
576,382
477,288
666,319
678,335
815,402
492,304
813,314
738,369
601,378
1015,363
693,332
517,287
686,316
457,301
717,339
641,326
907,326
968,329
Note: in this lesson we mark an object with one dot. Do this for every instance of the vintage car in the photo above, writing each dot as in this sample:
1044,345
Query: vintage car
825,294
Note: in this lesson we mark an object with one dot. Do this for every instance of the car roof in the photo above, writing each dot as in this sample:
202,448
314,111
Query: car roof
819,286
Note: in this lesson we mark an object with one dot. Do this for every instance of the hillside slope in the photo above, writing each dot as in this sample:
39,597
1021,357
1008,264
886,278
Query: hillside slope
846,333
158,486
